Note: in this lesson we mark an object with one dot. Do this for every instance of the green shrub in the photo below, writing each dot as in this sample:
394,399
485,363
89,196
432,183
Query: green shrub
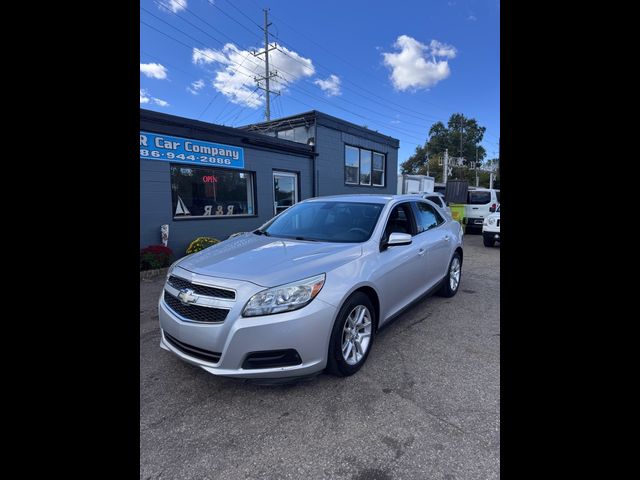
201,243
155,256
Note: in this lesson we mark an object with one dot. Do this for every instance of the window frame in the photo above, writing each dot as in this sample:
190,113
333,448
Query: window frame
254,194
482,192
416,212
413,221
345,165
384,168
373,152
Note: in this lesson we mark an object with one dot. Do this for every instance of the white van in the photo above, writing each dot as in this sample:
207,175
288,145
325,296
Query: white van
480,203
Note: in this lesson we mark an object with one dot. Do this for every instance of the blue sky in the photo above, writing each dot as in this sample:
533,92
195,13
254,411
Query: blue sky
395,66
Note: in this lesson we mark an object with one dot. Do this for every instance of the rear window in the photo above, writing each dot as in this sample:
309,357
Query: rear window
435,199
498,195
478,198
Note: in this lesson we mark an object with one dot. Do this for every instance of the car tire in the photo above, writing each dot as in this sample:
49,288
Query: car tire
447,289
488,240
343,334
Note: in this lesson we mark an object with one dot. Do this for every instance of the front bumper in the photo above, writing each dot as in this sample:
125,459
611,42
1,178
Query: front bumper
307,331
491,234
473,222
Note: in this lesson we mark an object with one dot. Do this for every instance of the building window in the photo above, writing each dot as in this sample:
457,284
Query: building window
300,134
363,167
352,165
378,170
198,192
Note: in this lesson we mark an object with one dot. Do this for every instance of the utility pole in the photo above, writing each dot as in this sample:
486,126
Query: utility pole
445,170
267,74
427,161
476,166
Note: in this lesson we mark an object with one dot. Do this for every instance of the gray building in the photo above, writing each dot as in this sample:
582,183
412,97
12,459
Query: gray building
210,180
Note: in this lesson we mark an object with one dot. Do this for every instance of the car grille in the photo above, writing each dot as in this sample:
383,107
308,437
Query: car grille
180,283
196,352
195,313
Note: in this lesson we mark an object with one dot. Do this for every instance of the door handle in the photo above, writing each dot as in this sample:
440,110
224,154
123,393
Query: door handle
421,252
447,238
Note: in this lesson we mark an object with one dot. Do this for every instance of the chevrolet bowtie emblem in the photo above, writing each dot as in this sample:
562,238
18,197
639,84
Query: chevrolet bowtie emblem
186,296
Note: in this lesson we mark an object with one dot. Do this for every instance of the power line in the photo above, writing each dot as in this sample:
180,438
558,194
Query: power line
287,84
244,14
424,117
229,16
403,131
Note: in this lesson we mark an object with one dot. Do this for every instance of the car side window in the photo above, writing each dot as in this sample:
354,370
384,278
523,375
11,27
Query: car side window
435,199
427,217
400,221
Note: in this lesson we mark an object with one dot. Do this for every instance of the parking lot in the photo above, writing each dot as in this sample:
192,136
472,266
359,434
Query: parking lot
426,405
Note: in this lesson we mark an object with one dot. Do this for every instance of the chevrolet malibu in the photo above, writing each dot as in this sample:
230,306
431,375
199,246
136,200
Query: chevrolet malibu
309,289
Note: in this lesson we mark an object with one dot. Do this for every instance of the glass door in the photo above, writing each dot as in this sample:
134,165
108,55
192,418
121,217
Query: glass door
285,191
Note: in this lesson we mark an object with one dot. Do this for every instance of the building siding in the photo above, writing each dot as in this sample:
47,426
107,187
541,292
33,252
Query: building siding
156,206
261,159
330,162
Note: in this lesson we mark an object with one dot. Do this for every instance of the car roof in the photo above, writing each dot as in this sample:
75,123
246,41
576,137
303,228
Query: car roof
366,198
355,198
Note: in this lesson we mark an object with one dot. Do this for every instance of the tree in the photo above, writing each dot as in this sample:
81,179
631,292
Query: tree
441,138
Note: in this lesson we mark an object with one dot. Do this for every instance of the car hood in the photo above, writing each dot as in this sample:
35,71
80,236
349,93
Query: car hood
269,261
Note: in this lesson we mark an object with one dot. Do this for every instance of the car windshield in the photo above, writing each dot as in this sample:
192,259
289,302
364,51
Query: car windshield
343,222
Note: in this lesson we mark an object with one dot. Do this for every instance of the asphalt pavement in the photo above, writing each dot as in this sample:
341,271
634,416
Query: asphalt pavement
426,405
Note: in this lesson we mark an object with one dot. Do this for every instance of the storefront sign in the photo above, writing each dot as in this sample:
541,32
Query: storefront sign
154,146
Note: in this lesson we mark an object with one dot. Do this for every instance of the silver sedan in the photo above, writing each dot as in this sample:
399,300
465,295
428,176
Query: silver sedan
308,290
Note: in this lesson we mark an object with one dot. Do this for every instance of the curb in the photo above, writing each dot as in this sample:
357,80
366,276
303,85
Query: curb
150,275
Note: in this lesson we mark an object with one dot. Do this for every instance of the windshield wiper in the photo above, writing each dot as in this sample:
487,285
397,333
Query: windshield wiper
262,232
307,239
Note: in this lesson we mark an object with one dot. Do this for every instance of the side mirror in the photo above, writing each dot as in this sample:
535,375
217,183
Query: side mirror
399,239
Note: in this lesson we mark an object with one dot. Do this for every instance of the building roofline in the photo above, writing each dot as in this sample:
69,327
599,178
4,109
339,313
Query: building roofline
244,136
319,117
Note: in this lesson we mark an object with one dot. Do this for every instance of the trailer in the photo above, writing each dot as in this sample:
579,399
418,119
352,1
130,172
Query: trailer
409,184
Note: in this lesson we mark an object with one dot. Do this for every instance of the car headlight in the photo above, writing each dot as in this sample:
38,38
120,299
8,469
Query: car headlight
284,298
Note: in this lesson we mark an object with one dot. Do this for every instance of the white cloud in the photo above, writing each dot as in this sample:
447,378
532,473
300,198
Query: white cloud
442,50
236,69
196,87
418,65
472,18
207,55
172,5
145,97
154,70
331,86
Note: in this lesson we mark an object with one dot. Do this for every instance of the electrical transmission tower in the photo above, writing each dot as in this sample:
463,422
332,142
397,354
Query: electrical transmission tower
267,74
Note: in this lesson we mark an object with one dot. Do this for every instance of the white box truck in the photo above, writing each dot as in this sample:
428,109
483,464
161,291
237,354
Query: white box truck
408,184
